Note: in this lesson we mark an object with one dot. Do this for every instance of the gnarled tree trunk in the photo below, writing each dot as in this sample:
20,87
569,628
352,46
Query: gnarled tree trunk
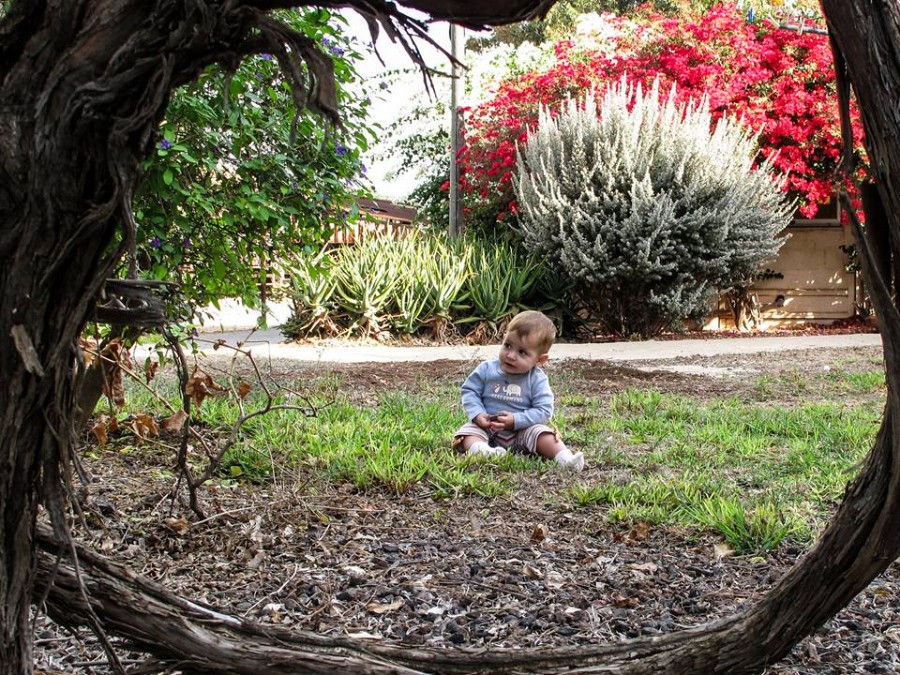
84,84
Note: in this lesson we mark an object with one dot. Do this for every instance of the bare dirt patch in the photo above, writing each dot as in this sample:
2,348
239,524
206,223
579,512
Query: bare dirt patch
518,571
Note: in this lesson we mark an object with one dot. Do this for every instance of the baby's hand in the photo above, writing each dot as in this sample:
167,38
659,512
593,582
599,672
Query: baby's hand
483,420
503,421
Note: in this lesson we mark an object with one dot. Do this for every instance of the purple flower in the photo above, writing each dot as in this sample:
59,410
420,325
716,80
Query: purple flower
295,185
165,144
265,57
362,168
337,51
156,243
340,150
187,243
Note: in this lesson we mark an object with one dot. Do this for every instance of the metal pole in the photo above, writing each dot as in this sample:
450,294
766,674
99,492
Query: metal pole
455,210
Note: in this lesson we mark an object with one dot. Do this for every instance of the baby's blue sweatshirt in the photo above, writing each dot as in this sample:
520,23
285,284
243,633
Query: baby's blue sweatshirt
490,390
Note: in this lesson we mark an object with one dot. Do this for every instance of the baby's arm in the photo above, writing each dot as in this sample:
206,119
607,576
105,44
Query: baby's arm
472,400
542,401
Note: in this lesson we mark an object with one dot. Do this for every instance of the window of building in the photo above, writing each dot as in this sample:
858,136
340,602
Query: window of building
829,213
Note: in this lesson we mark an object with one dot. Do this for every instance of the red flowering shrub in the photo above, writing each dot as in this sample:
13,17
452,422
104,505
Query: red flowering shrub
780,82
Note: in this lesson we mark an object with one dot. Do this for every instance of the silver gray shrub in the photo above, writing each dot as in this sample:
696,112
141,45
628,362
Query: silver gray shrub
647,205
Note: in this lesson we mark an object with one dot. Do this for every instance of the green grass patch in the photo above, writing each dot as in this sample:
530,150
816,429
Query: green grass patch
855,382
759,470
757,473
748,529
400,443
830,381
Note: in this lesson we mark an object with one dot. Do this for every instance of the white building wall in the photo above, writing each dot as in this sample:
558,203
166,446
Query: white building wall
815,287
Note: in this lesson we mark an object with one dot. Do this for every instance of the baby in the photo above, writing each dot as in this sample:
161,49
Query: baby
509,401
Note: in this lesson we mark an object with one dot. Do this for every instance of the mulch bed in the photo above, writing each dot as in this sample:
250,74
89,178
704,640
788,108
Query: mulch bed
518,571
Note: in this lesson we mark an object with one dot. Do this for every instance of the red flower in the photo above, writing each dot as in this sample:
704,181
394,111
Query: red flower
779,82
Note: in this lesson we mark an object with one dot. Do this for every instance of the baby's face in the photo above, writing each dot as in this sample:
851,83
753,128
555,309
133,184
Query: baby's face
519,355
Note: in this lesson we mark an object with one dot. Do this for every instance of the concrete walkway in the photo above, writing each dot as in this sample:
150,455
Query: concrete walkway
233,325
271,344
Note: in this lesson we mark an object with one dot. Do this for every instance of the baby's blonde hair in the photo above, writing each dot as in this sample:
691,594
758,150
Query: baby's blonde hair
534,323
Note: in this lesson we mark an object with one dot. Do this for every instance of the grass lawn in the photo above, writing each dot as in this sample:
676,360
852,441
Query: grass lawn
760,457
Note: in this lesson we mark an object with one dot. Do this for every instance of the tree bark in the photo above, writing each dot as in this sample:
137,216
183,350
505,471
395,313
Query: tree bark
84,86
50,253
878,232
198,638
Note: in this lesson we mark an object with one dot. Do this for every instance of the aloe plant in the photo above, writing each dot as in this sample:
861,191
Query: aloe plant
420,281
411,297
551,293
314,311
366,277
499,283
446,272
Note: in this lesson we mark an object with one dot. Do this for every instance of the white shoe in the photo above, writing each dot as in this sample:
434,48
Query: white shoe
575,462
482,449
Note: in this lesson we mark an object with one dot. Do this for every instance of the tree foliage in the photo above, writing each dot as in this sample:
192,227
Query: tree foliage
419,143
242,182
645,208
